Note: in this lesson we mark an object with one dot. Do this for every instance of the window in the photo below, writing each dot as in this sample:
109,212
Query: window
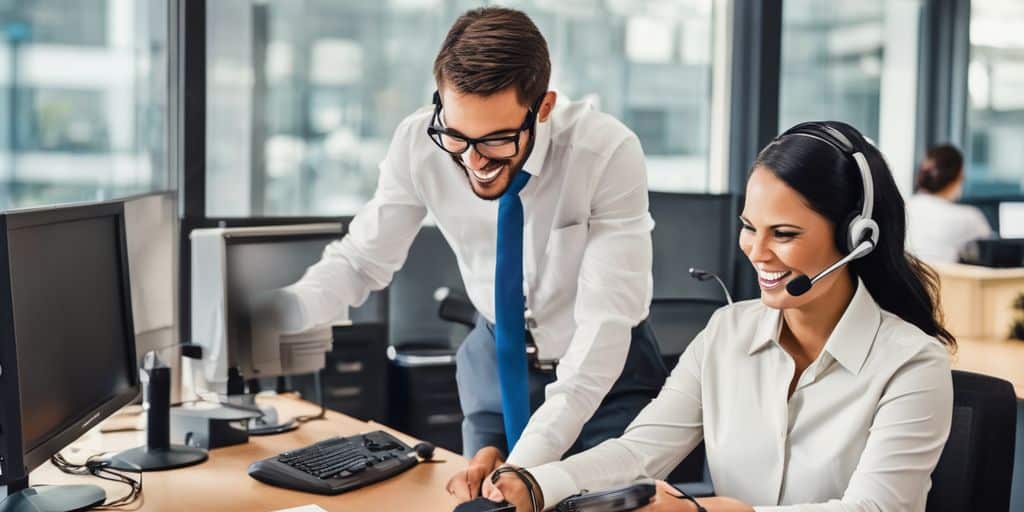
831,63
995,112
855,62
88,83
303,95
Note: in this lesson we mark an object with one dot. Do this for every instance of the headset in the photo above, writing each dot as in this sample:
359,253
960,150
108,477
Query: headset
860,234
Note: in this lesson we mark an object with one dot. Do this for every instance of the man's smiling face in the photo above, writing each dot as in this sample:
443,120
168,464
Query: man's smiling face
475,116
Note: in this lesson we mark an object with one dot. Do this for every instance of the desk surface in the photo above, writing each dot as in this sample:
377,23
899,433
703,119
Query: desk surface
999,358
977,271
221,483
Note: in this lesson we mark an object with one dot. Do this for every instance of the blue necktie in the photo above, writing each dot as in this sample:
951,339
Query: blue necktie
510,306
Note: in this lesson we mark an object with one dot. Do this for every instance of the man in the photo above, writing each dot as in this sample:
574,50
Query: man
546,211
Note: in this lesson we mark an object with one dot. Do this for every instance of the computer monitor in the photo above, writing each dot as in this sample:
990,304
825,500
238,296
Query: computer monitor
67,344
231,266
1011,219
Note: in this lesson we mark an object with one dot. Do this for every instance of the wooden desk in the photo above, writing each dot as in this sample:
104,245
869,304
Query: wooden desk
221,483
998,358
977,302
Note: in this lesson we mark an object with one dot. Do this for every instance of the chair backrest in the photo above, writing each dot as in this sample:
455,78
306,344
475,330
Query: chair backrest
691,230
677,321
976,466
412,310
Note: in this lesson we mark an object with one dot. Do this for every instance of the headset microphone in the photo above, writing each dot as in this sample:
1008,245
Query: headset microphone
704,275
801,284
860,233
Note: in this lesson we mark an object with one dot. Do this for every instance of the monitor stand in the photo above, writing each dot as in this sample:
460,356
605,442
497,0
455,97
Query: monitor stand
268,423
158,453
147,458
54,498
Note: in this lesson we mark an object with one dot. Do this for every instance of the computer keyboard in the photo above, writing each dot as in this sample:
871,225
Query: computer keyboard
337,465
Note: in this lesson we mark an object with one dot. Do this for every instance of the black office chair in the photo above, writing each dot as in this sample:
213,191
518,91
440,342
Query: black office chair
423,397
676,321
976,466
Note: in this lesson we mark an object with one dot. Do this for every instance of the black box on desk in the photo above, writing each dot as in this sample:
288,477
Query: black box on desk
355,374
999,252
424,398
210,426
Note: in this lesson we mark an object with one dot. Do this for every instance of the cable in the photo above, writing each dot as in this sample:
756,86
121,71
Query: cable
527,480
687,497
96,466
323,407
225,403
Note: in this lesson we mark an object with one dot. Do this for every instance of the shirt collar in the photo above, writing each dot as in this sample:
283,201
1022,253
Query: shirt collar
769,326
850,341
535,163
854,335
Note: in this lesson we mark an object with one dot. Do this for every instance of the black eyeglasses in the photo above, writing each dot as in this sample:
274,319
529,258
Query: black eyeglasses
491,146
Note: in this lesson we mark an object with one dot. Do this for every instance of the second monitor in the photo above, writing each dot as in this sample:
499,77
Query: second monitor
230,267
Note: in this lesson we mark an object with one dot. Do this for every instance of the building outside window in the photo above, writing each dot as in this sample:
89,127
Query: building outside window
83,96
303,95
832,63
995,110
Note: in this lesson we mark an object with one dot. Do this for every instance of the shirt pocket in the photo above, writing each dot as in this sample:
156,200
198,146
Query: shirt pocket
560,268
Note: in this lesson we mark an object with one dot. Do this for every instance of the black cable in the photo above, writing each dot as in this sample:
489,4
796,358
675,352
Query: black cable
684,496
222,403
323,404
527,479
298,419
98,467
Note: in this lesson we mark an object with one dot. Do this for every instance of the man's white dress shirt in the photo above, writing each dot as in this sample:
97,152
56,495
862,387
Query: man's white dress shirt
937,228
862,432
586,244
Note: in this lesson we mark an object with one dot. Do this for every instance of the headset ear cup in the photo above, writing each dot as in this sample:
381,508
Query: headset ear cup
844,233
861,229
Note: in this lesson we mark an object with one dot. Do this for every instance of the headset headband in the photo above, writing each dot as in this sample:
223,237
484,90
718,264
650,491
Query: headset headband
843,144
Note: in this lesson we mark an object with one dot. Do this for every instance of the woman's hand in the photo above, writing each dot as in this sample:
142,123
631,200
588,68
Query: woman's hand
465,485
511,488
667,499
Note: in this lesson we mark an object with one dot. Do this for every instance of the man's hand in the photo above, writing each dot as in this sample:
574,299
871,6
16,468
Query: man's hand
465,485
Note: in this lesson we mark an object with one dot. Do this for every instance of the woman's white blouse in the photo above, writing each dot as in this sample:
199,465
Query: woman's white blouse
938,229
862,432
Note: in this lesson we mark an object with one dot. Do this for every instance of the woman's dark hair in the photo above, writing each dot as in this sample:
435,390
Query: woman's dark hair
942,165
830,183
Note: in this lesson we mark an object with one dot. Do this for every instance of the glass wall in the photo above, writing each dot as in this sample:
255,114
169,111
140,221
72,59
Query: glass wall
83,96
995,113
832,63
303,95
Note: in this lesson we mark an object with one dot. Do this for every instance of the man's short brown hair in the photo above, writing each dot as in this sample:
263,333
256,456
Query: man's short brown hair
491,48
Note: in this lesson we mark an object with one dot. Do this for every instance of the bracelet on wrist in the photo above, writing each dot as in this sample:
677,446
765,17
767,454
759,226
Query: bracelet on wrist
532,488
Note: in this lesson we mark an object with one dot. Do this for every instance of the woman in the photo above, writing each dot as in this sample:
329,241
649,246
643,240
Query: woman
839,398
938,228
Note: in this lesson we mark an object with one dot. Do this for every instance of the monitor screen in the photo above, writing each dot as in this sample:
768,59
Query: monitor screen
1011,219
73,351
262,263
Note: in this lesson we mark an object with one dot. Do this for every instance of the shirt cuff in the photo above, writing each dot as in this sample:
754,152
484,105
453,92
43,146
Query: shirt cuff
531,450
555,484
293,307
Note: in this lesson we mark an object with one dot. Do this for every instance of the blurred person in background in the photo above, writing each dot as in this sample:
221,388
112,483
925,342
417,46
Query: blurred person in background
938,227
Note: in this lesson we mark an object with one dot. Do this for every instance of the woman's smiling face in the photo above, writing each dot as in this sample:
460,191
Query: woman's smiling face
783,238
